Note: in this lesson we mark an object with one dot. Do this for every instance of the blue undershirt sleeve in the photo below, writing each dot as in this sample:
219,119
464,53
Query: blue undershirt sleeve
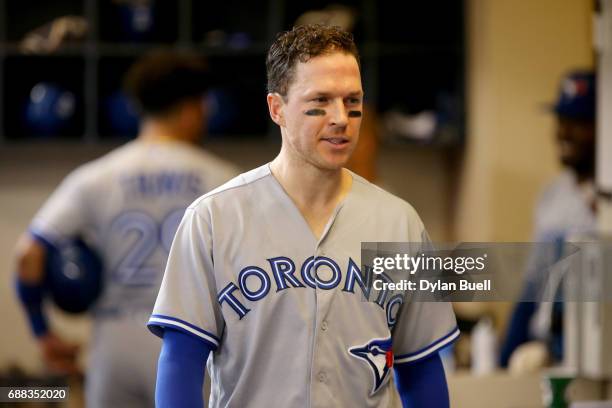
518,330
31,296
422,384
180,370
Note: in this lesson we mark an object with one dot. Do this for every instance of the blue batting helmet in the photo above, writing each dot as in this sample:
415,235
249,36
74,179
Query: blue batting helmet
74,276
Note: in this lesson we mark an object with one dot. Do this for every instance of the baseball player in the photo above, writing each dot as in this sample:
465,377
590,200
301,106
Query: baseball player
565,207
127,205
264,272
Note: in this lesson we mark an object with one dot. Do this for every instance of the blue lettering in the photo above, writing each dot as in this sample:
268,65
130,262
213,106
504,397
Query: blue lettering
314,263
353,274
395,300
226,296
264,279
382,296
194,184
307,272
283,269
162,183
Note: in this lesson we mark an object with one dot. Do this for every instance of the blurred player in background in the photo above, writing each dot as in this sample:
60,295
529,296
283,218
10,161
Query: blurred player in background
566,207
126,205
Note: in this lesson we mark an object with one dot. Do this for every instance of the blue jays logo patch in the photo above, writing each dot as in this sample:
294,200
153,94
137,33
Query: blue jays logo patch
378,355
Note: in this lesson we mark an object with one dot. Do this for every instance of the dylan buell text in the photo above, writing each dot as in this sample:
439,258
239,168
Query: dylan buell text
432,286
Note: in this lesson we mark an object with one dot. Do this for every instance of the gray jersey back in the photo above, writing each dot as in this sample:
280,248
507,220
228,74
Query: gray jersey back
285,312
128,204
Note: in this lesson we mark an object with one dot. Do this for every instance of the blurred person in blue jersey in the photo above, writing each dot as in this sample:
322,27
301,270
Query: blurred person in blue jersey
126,207
566,207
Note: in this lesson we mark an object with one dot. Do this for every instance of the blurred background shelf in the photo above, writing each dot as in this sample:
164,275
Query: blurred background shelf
413,64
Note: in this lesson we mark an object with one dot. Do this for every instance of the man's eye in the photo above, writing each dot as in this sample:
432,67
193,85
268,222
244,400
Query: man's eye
354,101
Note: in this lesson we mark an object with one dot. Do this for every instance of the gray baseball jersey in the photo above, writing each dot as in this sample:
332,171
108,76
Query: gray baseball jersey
563,209
285,312
128,205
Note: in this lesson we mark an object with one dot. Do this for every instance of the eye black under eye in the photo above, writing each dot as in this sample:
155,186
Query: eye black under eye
315,112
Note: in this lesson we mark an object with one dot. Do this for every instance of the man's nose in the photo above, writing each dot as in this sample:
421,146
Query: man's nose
339,114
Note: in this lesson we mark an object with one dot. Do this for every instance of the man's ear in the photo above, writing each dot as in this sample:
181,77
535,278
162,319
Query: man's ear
275,106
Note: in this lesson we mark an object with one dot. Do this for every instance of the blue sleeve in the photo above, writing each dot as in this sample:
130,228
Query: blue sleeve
31,296
518,330
422,384
180,371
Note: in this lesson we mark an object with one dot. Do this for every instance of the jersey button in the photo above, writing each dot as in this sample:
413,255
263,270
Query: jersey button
324,325
322,377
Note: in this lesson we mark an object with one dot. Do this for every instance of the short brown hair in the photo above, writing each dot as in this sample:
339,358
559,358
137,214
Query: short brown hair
299,45
164,78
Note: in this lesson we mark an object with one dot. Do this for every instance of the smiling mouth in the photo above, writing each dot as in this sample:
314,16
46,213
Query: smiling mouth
336,140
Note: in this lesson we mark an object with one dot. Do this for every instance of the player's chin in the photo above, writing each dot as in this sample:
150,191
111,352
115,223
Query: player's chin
334,161
336,157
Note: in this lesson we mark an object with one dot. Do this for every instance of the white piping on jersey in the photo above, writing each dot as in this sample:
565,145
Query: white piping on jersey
185,327
434,347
